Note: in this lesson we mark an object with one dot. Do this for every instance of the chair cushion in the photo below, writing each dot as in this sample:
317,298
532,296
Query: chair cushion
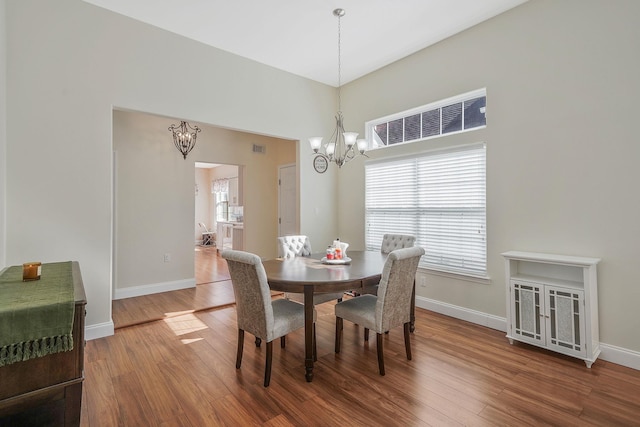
287,316
360,310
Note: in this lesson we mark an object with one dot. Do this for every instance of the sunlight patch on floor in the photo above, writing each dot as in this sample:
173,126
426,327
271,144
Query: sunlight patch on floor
190,340
186,324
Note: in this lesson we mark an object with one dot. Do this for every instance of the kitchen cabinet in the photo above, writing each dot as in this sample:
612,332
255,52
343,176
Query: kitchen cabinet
235,191
225,235
552,302
230,235
238,237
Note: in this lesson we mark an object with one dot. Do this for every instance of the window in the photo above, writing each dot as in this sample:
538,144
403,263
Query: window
458,114
439,197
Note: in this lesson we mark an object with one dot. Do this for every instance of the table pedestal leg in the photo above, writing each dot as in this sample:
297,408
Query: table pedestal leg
308,333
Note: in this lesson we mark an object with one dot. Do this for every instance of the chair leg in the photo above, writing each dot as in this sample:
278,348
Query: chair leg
258,342
407,339
315,348
338,333
240,347
380,354
267,366
283,341
366,334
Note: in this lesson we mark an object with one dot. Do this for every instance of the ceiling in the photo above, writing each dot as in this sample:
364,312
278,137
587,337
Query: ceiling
301,36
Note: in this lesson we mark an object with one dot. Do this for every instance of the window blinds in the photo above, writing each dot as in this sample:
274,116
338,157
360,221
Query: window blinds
439,197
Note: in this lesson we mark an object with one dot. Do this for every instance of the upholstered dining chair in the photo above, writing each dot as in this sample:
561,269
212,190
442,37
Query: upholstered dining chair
293,246
390,308
391,242
256,312
300,245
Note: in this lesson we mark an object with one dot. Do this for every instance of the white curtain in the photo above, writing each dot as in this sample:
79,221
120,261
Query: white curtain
220,185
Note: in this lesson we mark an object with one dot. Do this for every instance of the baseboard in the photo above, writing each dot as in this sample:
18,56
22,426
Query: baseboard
620,356
92,332
477,317
155,288
610,353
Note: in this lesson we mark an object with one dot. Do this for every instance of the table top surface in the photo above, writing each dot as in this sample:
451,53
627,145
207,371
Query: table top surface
310,271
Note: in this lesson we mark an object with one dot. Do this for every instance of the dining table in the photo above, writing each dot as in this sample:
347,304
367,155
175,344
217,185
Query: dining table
314,274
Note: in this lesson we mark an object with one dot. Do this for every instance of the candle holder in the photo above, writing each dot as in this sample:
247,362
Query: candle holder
31,271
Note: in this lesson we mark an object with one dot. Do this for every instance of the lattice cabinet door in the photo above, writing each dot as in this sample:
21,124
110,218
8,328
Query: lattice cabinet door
528,308
565,320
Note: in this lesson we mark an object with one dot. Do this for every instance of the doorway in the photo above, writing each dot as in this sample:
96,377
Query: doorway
219,218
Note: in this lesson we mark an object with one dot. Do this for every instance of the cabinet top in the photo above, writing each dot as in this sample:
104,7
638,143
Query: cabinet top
551,258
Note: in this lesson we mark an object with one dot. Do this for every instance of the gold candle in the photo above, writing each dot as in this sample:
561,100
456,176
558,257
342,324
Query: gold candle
31,271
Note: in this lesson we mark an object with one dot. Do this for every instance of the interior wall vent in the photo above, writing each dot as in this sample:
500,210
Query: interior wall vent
259,149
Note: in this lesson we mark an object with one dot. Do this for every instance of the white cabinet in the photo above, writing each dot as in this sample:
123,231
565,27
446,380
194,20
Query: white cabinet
235,191
238,238
552,302
225,236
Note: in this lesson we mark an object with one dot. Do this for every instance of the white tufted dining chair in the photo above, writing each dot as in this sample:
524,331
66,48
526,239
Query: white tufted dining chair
293,246
256,312
390,308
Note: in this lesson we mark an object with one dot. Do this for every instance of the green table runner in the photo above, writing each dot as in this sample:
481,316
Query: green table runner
36,317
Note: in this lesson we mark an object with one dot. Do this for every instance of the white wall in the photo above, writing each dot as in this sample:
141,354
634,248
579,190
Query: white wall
68,65
3,131
562,144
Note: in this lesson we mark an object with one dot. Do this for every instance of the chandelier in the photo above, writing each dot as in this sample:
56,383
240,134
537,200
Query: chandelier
184,137
343,146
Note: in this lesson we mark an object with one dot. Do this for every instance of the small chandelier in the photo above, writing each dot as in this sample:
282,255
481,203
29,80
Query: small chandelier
184,137
343,146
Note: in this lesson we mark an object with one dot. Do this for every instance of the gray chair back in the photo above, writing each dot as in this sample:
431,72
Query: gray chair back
391,242
252,293
293,246
396,285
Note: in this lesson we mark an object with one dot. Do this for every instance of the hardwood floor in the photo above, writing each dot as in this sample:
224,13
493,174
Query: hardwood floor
209,266
180,371
213,289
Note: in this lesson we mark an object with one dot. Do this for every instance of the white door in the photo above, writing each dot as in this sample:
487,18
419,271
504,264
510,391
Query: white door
287,200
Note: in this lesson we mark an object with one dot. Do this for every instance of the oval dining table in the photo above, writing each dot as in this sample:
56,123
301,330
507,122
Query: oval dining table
309,275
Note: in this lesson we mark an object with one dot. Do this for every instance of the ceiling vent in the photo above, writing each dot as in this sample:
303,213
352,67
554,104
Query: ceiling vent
259,149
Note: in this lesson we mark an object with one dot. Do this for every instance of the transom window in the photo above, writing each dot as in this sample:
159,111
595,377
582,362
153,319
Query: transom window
457,114
440,198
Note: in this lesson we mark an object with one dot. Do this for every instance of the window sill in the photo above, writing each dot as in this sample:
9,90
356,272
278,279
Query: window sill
482,280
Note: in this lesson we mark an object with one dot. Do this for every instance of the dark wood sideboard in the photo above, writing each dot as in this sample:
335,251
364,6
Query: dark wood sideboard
47,391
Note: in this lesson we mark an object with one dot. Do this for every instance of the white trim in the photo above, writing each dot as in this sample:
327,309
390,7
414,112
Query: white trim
620,356
433,151
101,330
154,288
462,313
610,353
483,280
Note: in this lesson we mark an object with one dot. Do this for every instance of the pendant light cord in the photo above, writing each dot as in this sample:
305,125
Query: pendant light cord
339,65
